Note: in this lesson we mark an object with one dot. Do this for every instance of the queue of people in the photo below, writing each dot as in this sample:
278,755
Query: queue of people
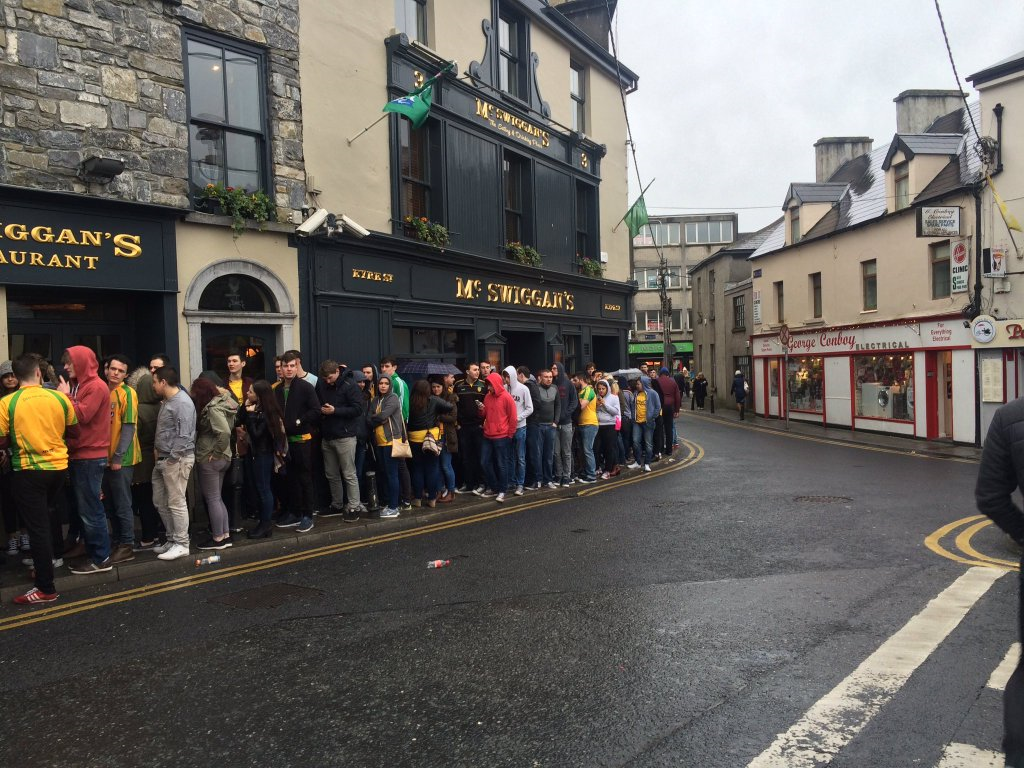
99,446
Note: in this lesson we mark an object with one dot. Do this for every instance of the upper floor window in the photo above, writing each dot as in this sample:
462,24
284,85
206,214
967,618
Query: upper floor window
939,256
512,55
700,232
658,233
739,313
901,179
514,170
411,18
578,93
586,216
651,320
711,293
226,113
414,160
869,283
794,224
780,303
650,279
815,286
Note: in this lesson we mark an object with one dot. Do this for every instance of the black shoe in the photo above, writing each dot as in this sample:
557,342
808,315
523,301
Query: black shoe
211,543
351,516
261,531
332,511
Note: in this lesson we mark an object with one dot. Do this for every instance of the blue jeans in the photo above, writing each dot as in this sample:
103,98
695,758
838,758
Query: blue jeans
643,442
87,481
546,437
118,499
426,468
390,466
262,472
625,439
533,470
517,459
587,434
447,470
494,458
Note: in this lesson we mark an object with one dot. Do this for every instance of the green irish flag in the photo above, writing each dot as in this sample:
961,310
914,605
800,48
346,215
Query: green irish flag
416,105
636,217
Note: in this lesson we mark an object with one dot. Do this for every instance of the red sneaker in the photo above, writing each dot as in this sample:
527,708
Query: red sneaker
35,596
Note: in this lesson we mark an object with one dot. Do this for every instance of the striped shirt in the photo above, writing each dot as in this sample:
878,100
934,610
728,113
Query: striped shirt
124,409
35,420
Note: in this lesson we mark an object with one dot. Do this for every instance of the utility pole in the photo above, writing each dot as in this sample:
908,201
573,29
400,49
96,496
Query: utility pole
666,310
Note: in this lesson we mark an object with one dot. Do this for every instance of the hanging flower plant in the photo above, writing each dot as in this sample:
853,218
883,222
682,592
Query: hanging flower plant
428,231
591,268
238,204
523,254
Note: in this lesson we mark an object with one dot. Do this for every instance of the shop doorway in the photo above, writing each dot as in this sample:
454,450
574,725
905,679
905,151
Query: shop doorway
772,374
251,341
939,392
607,353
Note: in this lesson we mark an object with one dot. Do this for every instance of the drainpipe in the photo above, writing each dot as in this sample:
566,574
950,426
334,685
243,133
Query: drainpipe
977,309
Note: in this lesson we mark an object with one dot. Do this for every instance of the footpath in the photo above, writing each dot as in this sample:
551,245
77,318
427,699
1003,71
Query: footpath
937,448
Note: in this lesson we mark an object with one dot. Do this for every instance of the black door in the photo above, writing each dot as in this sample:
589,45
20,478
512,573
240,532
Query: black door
257,343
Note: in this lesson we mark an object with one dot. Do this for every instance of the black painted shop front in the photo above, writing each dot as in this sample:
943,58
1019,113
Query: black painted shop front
363,299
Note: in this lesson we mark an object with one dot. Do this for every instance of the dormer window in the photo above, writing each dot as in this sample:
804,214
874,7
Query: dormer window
901,180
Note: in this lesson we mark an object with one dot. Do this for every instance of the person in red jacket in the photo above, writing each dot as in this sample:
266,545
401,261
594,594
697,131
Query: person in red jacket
671,403
500,420
88,454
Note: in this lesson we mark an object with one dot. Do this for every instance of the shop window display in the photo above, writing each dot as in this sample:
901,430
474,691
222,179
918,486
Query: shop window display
805,384
885,386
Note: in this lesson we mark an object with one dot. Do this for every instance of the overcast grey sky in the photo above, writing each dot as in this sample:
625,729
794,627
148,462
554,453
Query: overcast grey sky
734,94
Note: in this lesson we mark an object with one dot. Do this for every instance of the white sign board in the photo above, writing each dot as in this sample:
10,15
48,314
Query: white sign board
959,265
992,380
994,262
938,221
757,307
868,340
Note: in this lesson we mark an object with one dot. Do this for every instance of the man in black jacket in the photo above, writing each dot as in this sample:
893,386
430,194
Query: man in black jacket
1000,474
301,409
471,391
340,413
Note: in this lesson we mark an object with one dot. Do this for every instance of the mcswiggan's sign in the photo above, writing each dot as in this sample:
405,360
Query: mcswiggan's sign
468,289
512,125
62,248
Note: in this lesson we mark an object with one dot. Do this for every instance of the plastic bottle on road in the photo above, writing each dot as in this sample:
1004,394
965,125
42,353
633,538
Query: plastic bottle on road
209,560
438,563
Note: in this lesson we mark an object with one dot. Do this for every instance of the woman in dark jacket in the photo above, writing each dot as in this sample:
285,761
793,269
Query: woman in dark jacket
424,410
449,439
659,424
739,391
700,389
142,475
264,430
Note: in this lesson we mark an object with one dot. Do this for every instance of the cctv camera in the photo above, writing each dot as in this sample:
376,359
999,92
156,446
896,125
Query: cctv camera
313,223
353,227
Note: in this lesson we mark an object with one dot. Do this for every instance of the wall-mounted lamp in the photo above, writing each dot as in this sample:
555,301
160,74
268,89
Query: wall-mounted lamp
100,170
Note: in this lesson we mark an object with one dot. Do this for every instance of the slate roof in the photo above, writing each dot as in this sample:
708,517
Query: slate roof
825,192
1007,66
863,178
923,144
747,242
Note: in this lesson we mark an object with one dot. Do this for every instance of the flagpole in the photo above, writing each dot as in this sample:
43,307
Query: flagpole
382,117
642,191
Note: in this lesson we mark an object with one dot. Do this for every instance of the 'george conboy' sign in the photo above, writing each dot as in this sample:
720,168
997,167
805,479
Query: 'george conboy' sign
938,221
868,340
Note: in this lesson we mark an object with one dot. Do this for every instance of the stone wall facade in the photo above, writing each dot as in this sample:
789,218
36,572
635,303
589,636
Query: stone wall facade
106,77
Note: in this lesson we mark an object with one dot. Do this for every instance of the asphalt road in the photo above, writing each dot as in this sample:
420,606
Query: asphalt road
685,620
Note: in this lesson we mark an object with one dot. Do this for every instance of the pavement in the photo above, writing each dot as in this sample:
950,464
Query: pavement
936,448
330,531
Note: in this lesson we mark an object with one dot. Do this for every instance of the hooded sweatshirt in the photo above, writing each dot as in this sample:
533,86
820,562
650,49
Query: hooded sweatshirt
546,404
214,426
149,409
91,397
568,397
672,400
652,406
521,394
500,416
609,409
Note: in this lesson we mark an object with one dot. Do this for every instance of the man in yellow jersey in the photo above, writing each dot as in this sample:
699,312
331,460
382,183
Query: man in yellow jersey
33,424
587,426
123,456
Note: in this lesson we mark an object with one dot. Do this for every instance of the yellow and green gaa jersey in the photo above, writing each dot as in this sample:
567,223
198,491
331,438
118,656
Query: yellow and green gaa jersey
588,416
35,418
124,409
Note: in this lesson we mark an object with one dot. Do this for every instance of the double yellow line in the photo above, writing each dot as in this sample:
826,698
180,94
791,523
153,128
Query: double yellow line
970,527
694,454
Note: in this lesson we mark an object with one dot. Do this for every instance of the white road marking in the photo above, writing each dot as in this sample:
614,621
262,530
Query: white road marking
836,718
1002,673
966,756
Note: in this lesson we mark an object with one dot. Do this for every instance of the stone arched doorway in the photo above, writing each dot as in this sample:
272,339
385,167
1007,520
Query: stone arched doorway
237,304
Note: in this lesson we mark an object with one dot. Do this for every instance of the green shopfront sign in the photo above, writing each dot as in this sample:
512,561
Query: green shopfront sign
654,348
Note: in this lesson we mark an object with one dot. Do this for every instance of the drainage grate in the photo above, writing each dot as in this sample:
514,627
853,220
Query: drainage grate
822,499
268,596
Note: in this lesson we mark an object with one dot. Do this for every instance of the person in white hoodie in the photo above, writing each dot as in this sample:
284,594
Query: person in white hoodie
524,407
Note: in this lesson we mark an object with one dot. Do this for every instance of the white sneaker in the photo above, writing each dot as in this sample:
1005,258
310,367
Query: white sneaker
500,498
174,552
553,484
389,512
12,548
634,465
519,490
161,548
647,467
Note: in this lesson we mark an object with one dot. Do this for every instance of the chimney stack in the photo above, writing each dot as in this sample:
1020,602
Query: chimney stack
832,151
916,110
